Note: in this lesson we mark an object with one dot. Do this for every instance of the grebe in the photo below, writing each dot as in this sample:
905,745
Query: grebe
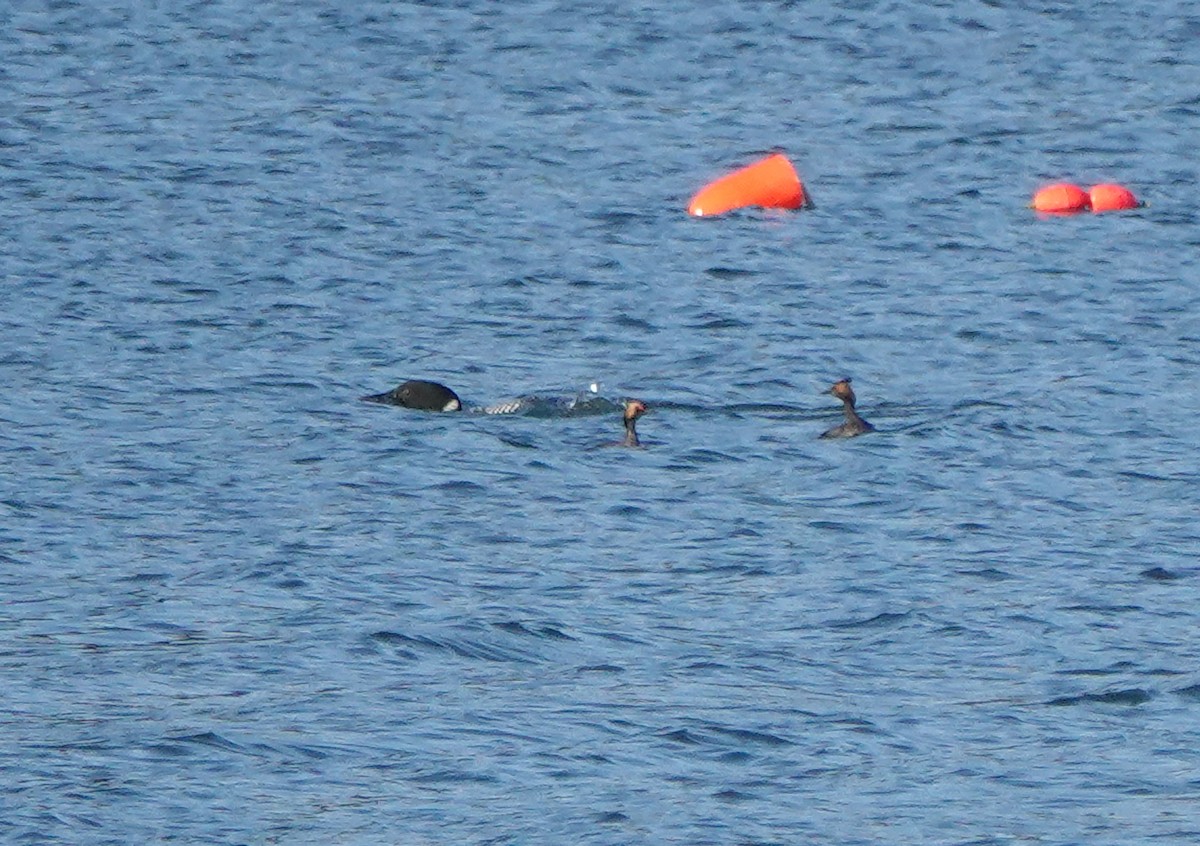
417,393
854,424
633,410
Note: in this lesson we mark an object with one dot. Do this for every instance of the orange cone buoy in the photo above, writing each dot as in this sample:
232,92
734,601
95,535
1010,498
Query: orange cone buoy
1061,198
771,183
1108,197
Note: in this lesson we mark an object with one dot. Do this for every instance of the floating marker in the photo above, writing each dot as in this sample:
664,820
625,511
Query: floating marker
1062,198
1109,197
771,183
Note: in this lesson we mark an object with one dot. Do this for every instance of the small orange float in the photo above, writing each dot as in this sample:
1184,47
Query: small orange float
1061,198
1108,197
771,183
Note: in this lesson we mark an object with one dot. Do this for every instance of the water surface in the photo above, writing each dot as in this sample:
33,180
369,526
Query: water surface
244,607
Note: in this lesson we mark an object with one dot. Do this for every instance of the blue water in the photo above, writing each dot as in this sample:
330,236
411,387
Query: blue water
241,606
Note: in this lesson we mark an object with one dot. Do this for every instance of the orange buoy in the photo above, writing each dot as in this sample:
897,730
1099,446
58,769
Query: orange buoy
1107,197
771,183
1062,198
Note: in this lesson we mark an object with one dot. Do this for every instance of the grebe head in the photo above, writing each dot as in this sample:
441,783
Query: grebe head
842,390
634,409
420,394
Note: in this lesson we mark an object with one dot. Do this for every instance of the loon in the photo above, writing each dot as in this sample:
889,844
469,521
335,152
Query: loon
420,394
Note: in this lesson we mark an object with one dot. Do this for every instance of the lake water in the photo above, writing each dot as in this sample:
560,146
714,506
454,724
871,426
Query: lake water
242,606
